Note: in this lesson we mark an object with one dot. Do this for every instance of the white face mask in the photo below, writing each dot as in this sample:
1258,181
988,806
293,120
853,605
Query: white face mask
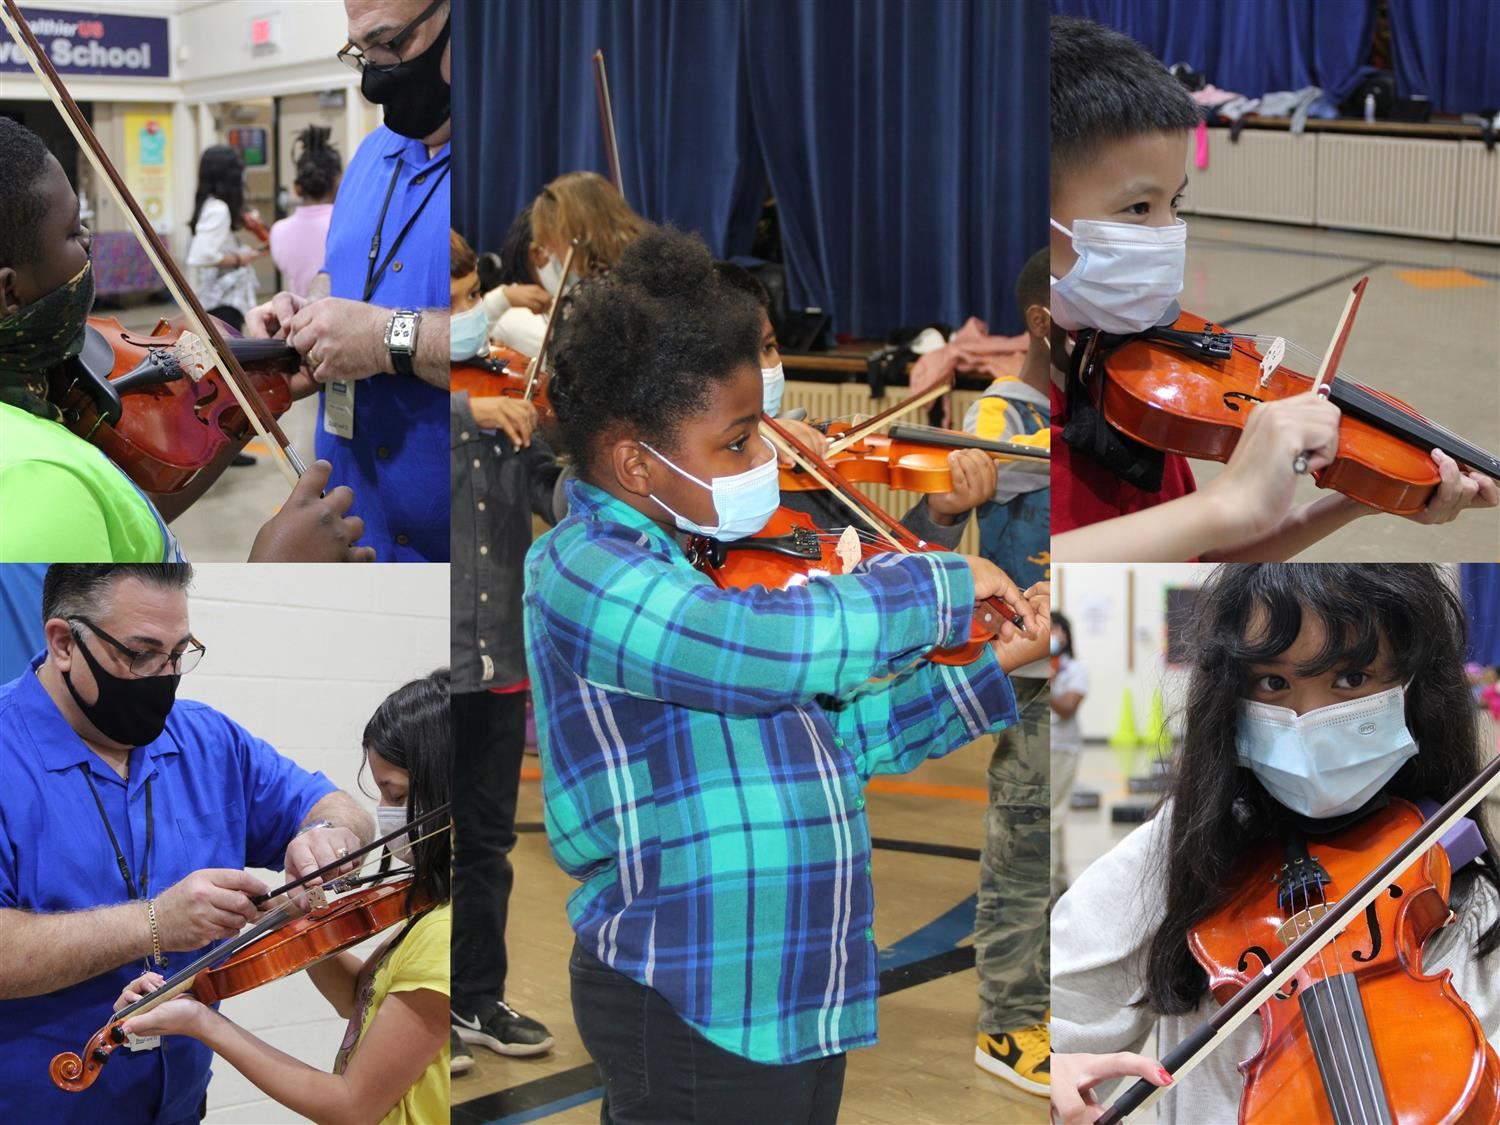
551,276
743,502
774,379
388,818
1328,761
1126,277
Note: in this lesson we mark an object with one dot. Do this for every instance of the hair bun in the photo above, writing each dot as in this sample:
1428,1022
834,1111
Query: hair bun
667,265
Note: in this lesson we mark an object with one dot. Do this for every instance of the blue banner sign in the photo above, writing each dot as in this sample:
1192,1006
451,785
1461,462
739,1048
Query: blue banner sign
94,43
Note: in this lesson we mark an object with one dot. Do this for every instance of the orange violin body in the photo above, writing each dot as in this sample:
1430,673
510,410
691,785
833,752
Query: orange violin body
1170,399
791,548
912,465
502,374
279,953
1361,1033
156,420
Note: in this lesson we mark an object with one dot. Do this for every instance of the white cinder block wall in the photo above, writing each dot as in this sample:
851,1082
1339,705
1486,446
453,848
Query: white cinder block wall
301,656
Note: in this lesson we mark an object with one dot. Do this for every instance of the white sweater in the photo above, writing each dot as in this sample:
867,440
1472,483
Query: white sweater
1100,930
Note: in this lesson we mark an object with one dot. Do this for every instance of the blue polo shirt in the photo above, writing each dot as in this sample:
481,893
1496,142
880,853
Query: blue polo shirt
397,461
220,797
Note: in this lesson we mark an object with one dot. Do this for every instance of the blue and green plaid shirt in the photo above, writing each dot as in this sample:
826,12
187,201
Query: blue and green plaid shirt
704,755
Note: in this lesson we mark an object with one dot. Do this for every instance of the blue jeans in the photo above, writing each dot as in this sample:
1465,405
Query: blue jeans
659,1071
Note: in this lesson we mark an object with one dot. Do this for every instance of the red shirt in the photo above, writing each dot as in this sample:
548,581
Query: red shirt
1085,492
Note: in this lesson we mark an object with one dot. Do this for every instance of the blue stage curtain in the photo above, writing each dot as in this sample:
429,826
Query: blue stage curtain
1448,50
1251,47
906,144
905,141
20,616
1480,583
525,112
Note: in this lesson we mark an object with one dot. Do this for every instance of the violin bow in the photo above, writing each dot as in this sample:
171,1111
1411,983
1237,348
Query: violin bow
607,123
161,259
359,853
1243,1004
534,368
870,425
1323,384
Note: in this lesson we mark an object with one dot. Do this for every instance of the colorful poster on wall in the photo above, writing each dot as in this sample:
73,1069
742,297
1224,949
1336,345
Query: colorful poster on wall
148,165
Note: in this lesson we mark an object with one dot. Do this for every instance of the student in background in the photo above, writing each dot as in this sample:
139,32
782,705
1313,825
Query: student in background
219,267
297,241
1070,684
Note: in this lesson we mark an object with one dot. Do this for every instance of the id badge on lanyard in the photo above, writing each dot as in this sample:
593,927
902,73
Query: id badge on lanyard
338,408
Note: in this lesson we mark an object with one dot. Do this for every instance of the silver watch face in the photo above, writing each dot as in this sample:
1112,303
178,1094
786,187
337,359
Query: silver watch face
402,332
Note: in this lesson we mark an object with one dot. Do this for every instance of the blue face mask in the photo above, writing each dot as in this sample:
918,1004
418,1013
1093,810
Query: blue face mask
774,379
743,502
468,333
1328,761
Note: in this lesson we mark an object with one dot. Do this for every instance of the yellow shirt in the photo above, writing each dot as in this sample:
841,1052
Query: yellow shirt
420,961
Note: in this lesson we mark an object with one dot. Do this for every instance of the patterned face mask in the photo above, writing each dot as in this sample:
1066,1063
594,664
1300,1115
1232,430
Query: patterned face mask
40,336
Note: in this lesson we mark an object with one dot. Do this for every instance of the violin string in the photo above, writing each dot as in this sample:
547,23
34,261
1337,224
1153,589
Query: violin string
1365,1097
1320,1002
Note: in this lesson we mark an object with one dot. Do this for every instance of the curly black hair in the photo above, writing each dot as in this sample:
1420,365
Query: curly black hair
1107,87
515,252
319,165
638,349
23,157
738,277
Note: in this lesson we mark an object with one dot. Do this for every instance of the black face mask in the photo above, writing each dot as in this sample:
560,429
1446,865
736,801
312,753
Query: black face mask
129,711
417,100
40,336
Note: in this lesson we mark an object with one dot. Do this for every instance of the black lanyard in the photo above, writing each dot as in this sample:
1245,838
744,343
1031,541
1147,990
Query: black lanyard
130,888
373,273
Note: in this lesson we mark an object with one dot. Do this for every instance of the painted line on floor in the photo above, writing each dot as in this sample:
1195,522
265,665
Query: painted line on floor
920,847
1255,248
1368,265
929,953
928,789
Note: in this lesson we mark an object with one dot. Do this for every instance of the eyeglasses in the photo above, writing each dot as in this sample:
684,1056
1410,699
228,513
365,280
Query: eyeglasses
144,664
387,55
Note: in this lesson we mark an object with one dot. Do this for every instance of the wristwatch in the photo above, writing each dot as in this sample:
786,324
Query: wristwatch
401,339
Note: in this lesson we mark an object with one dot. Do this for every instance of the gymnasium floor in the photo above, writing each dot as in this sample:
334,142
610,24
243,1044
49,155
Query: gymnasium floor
921,1073
1428,332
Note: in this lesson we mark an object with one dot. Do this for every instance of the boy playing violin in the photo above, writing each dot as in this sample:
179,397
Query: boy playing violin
705,750
1120,126
61,498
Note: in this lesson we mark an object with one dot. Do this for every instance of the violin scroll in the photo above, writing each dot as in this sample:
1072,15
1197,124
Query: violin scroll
71,1073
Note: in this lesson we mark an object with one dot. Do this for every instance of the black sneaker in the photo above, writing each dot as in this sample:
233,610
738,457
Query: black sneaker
460,1060
503,1030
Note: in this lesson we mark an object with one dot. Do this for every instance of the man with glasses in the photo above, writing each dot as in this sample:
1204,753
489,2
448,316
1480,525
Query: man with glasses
127,819
374,328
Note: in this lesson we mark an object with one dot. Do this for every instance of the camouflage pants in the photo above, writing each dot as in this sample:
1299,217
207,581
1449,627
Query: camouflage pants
1012,928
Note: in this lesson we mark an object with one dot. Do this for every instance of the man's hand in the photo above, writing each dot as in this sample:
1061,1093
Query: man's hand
206,906
532,297
514,417
318,847
340,339
312,527
974,474
273,319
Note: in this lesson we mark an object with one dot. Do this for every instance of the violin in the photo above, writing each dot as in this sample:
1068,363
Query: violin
157,406
1360,1033
792,548
1191,388
914,458
274,947
491,376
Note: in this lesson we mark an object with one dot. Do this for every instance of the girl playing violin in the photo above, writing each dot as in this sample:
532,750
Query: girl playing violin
705,750
1318,694
392,1066
1119,144
62,498
222,276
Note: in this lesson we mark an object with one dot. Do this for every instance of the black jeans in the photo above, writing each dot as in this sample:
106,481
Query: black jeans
489,738
659,1071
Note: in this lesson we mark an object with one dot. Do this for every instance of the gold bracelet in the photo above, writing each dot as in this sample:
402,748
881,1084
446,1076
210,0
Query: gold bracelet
155,933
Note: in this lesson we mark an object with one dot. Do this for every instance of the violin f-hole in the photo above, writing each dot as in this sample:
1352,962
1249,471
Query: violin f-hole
1373,921
1231,400
1265,959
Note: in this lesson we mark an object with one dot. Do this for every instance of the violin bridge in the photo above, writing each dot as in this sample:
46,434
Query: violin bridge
316,898
1300,922
193,355
1272,360
849,549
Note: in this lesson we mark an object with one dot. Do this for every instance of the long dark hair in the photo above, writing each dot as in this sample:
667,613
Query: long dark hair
1249,614
413,731
1060,620
515,253
221,175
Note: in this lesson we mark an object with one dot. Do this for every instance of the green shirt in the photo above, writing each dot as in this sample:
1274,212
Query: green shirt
62,500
